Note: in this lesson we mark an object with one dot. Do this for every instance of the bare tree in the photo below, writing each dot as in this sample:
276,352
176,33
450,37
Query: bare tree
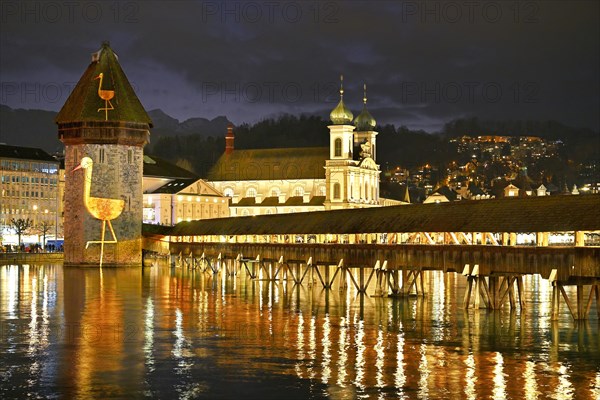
21,226
45,227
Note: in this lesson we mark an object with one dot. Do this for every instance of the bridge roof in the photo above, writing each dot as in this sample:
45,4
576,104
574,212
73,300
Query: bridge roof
531,214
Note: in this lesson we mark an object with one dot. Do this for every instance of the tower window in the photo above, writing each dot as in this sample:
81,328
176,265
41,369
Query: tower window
101,156
129,156
336,191
337,145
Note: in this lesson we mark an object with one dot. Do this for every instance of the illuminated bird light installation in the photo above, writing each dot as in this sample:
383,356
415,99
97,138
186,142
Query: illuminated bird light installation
101,208
105,95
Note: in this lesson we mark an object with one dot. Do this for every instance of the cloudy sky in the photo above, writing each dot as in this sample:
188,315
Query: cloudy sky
425,62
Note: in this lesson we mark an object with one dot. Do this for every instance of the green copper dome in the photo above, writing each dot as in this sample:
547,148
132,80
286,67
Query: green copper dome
341,115
365,121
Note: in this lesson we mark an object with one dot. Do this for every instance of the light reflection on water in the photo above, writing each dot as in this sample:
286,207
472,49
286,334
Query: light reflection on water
168,333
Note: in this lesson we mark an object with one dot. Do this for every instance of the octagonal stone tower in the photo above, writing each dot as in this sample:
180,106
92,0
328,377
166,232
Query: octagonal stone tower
104,120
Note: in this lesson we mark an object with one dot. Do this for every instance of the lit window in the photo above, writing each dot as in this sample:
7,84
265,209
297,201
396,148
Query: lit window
299,191
336,190
337,145
251,192
228,192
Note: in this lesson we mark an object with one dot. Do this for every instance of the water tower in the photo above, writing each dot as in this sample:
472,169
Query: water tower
103,123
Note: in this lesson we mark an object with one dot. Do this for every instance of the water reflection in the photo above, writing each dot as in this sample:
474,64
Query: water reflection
164,333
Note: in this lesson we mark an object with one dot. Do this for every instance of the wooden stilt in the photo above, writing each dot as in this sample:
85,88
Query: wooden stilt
590,298
580,307
571,309
555,302
519,280
597,291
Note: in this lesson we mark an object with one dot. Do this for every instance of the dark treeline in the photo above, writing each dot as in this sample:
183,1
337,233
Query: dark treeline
396,146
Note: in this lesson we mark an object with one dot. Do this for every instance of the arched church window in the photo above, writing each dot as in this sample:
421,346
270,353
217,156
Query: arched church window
322,191
274,192
337,145
251,192
367,194
336,190
228,192
299,191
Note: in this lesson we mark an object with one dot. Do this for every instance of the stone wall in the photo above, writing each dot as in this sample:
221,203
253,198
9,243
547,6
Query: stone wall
117,176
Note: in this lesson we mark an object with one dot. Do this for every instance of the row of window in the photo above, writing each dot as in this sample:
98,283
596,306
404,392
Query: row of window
16,211
370,192
27,179
26,193
12,165
252,192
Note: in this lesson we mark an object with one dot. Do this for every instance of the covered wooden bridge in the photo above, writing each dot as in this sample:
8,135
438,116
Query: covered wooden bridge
492,242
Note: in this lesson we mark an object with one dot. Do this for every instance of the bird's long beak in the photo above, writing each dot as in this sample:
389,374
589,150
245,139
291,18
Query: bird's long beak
77,167
98,77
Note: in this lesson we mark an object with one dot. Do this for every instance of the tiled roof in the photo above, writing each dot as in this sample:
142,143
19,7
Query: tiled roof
273,201
445,191
530,214
175,186
83,102
271,164
25,153
157,167
246,201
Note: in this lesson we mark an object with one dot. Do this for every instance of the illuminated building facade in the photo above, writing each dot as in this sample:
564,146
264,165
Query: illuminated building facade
289,180
173,194
30,188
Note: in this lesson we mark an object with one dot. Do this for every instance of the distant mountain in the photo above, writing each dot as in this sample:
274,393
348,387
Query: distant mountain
167,126
36,128
30,128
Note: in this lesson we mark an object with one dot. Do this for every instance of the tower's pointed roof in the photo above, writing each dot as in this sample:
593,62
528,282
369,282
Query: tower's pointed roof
365,121
84,101
341,115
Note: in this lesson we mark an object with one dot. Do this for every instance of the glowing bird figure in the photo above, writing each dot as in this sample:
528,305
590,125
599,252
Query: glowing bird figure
101,208
105,95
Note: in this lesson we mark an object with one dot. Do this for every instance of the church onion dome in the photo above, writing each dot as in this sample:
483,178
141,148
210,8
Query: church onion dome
341,115
365,121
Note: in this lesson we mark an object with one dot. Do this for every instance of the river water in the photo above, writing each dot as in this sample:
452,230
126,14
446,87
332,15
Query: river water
164,332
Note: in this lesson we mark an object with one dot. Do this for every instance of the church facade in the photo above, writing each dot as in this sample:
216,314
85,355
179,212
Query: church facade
287,180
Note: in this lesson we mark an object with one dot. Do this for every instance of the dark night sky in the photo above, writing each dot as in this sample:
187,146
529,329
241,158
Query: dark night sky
425,63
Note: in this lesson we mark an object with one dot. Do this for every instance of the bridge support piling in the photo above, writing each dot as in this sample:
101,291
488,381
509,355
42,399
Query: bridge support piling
380,279
581,309
393,281
343,280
